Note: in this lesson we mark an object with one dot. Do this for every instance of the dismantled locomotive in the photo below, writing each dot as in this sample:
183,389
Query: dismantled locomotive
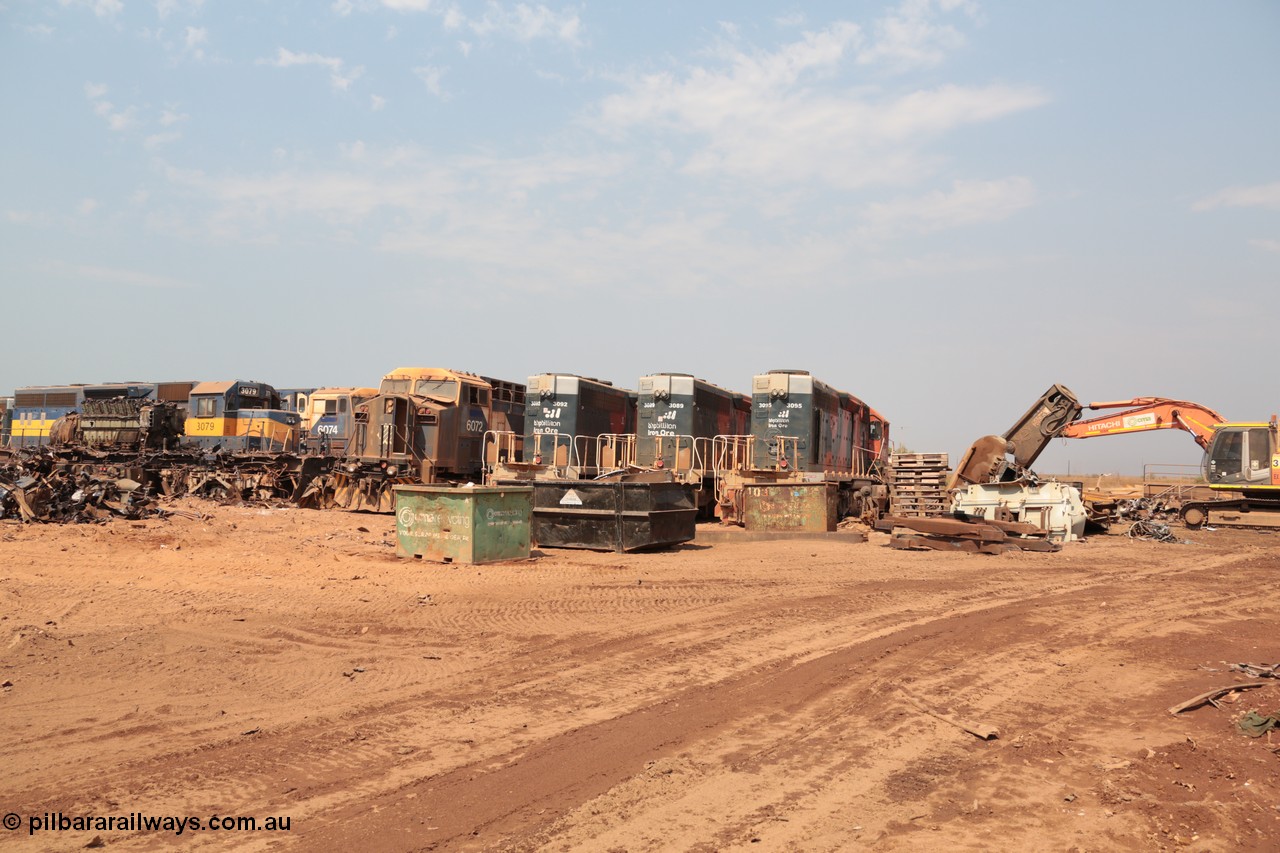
425,425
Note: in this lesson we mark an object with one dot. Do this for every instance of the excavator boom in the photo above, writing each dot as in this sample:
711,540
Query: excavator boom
1148,413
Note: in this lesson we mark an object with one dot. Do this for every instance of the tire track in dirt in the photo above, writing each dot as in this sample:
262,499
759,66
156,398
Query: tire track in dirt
557,776
797,777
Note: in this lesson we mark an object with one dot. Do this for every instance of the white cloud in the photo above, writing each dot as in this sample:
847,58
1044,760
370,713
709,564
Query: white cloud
406,181
377,102
101,8
782,116
522,22
38,30
193,38
27,217
910,37
966,203
165,8
342,8
116,119
169,117
464,47
111,275
86,206
1261,195
430,77
1266,245
140,196
340,76
122,120
157,140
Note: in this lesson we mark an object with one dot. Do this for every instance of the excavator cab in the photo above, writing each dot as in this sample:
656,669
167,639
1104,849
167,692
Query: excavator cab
1241,456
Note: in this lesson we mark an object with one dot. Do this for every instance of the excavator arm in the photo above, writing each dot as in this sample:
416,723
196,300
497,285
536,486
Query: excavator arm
1147,413
1056,414
987,460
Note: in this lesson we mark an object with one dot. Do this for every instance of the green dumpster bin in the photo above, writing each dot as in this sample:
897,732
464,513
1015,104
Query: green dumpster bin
792,507
463,525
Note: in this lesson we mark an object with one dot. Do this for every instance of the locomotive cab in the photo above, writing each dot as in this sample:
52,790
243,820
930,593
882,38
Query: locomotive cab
239,416
424,422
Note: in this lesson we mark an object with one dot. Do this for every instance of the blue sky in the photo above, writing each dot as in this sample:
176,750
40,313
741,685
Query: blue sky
943,207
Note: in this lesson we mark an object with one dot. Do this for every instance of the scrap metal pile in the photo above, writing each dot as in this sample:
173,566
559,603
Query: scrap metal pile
974,535
75,484
37,487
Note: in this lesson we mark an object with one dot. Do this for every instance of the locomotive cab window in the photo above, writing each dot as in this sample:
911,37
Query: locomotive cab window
441,389
204,407
478,396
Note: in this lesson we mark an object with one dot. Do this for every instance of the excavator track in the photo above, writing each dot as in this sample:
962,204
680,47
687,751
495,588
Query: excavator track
1242,512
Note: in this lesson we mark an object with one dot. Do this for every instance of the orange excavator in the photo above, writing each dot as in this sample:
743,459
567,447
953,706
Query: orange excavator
1148,413
1242,459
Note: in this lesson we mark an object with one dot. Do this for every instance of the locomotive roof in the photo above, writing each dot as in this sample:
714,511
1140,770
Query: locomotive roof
365,392
576,376
224,387
431,373
212,387
696,382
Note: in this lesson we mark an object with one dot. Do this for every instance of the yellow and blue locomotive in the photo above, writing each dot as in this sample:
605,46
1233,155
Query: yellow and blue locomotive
239,416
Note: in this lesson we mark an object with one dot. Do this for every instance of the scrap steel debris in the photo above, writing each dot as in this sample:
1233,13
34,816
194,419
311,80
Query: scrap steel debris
1152,531
37,490
1211,697
1258,670
965,533
74,485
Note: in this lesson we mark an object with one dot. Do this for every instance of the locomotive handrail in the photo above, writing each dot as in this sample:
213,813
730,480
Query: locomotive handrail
623,445
696,461
730,453
534,455
702,452
500,439
874,464
581,444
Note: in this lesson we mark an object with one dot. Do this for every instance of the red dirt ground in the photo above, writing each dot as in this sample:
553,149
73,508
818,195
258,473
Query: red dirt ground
741,696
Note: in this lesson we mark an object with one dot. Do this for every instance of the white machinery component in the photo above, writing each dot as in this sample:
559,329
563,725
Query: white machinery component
1055,507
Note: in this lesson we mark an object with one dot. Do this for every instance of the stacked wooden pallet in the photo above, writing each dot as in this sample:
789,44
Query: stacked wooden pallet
918,485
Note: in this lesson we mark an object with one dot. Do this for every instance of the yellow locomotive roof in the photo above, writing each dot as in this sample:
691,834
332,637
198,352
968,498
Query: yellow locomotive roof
212,387
431,373
360,392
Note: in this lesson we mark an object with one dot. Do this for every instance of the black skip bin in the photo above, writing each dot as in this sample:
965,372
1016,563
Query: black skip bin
612,516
